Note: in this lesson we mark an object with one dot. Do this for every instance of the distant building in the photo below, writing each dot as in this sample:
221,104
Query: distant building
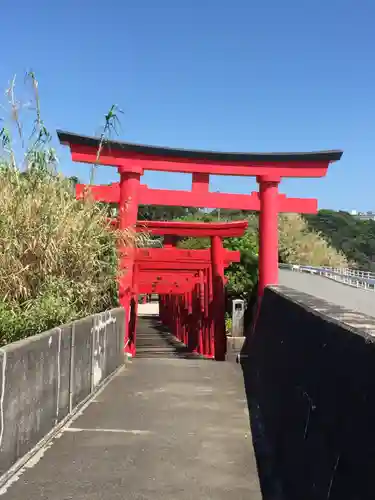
363,215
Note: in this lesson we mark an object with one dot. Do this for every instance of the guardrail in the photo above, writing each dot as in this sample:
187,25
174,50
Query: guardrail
352,277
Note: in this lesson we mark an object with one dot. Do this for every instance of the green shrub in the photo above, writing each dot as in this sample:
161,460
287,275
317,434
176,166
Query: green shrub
228,324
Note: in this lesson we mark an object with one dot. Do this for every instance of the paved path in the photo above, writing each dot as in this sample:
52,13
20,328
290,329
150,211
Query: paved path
171,429
356,299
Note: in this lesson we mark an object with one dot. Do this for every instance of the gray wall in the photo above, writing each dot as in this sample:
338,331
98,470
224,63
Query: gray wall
44,377
310,383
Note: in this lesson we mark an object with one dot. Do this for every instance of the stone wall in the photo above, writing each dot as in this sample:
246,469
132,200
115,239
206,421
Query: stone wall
309,373
44,377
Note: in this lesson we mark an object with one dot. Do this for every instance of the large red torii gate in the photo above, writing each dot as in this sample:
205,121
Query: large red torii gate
268,168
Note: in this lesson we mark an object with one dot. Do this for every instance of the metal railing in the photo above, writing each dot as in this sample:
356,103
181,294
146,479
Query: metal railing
352,277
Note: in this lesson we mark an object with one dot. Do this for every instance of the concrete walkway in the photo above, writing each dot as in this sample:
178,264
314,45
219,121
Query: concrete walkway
171,429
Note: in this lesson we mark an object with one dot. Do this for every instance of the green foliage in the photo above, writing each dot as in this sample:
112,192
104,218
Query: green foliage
52,307
228,324
354,238
242,276
151,212
196,216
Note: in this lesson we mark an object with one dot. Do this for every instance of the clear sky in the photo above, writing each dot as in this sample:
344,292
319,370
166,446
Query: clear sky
239,75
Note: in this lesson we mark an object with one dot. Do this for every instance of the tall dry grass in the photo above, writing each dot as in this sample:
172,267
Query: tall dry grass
58,258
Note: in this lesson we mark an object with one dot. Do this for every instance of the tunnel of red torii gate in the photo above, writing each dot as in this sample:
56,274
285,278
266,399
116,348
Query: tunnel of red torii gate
132,160
190,283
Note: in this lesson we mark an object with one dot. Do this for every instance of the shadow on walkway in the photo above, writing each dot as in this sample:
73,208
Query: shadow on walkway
154,340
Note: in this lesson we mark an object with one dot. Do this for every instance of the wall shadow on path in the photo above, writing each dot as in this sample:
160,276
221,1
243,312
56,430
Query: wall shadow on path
309,373
180,350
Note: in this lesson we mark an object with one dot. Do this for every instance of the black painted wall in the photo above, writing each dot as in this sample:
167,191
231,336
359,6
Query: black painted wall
310,383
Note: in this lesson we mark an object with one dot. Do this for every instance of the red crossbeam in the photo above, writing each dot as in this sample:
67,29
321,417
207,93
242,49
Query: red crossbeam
181,255
152,281
194,229
176,266
164,289
170,276
195,198
153,276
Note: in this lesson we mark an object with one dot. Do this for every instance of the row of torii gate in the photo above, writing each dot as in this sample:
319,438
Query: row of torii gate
190,283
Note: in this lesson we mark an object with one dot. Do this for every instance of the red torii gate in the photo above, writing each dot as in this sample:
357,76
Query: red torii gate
197,276
268,168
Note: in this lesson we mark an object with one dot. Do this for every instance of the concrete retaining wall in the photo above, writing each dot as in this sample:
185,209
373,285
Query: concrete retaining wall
310,382
45,376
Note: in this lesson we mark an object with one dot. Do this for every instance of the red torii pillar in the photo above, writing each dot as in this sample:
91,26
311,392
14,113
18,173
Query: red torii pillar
268,232
128,211
219,296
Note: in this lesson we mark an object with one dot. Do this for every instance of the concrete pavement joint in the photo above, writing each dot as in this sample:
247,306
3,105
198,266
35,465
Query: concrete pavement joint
121,431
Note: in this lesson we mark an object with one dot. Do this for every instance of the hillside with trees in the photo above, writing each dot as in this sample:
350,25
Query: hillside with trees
344,232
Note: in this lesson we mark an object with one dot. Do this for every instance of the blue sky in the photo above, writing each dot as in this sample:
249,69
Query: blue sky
239,75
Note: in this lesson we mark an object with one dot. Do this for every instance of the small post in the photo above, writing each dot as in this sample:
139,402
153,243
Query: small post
238,311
